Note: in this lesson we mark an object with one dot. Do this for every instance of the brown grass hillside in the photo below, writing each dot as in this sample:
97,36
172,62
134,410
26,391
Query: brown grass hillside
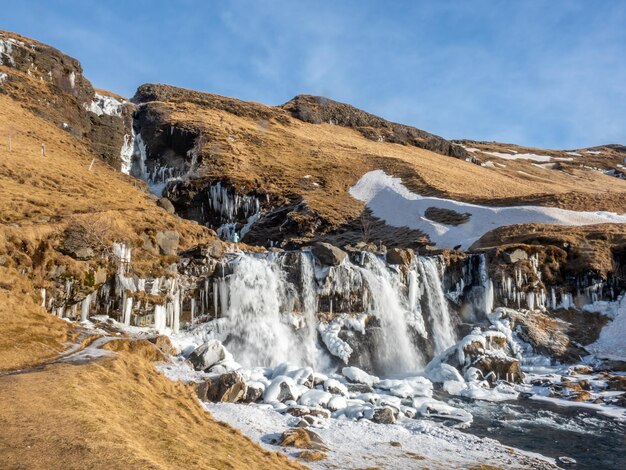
117,413
264,148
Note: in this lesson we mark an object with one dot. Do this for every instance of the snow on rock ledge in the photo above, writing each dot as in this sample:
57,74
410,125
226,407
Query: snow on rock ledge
103,104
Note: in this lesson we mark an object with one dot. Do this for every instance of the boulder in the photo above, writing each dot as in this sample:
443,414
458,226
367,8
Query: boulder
500,367
514,256
315,398
335,387
328,254
311,455
309,420
580,369
78,252
302,438
617,383
209,354
359,388
300,411
164,344
384,415
582,396
167,241
230,387
400,256
354,374
213,249
281,389
548,335
254,392
166,204
147,243
337,403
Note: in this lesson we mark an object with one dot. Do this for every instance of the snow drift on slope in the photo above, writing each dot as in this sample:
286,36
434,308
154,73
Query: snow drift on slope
612,341
391,201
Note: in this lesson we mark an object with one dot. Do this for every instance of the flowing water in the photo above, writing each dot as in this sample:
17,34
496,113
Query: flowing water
274,315
594,441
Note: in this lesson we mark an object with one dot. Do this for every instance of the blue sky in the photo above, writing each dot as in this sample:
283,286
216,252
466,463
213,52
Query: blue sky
540,73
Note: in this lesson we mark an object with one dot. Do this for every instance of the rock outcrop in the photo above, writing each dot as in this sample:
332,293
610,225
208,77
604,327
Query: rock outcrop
52,84
318,110
328,254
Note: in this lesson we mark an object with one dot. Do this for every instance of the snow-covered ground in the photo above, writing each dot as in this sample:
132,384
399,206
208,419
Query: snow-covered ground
363,444
393,202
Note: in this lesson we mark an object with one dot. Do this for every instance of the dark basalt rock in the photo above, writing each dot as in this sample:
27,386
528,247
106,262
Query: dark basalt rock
317,109
384,415
328,254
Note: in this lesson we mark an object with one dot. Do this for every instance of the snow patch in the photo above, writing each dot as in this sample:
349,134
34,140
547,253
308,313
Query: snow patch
393,202
102,104
527,156
612,341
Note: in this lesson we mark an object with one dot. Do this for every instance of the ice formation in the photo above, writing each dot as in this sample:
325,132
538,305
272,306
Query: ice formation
104,105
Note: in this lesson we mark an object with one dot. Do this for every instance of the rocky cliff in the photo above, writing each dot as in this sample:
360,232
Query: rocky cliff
52,85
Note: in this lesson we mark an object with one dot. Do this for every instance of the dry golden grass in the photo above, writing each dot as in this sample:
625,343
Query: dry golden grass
40,196
118,413
28,334
138,347
276,155
311,455
594,245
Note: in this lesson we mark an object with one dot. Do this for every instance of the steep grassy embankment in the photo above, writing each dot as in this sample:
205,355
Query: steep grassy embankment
117,412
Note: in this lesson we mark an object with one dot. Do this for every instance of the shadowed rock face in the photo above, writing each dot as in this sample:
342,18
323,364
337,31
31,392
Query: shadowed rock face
317,110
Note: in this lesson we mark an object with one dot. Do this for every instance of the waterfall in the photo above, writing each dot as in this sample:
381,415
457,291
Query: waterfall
126,152
437,306
397,352
487,283
275,305
273,308
258,332
309,313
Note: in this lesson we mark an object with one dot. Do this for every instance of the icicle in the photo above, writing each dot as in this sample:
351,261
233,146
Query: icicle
128,308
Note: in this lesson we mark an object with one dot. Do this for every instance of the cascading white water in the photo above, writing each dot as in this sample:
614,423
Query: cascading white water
126,152
259,333
309,314
397,353
271,320
443,333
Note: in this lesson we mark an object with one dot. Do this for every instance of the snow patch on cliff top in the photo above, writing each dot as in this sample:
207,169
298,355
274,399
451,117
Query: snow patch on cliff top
391,201
108,105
